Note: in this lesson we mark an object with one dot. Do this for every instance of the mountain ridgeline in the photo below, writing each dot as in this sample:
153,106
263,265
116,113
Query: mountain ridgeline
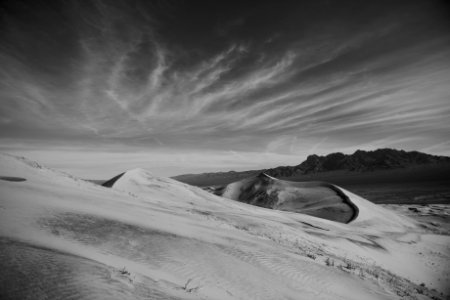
360,161
361,167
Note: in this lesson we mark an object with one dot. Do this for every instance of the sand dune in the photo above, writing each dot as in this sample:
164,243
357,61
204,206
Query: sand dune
149,237
318,199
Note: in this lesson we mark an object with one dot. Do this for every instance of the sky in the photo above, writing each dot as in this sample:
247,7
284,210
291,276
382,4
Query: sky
98,87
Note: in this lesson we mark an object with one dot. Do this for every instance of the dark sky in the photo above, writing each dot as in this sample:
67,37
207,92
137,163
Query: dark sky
206,85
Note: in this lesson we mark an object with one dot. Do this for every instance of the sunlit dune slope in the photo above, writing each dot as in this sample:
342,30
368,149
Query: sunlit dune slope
149,237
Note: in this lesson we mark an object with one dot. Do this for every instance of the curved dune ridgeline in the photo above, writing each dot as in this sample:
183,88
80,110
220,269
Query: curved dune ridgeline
319,199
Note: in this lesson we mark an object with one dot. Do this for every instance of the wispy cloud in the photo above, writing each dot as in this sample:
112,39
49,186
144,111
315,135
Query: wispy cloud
125,74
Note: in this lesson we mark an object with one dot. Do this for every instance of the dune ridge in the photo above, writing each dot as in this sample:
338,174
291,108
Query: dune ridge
319,199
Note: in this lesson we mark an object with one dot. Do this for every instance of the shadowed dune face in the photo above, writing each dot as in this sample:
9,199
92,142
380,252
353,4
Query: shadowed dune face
113,180
12,179
312,198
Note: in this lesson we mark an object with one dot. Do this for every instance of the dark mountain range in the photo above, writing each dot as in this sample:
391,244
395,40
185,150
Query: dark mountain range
382,176
364,163
360,161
